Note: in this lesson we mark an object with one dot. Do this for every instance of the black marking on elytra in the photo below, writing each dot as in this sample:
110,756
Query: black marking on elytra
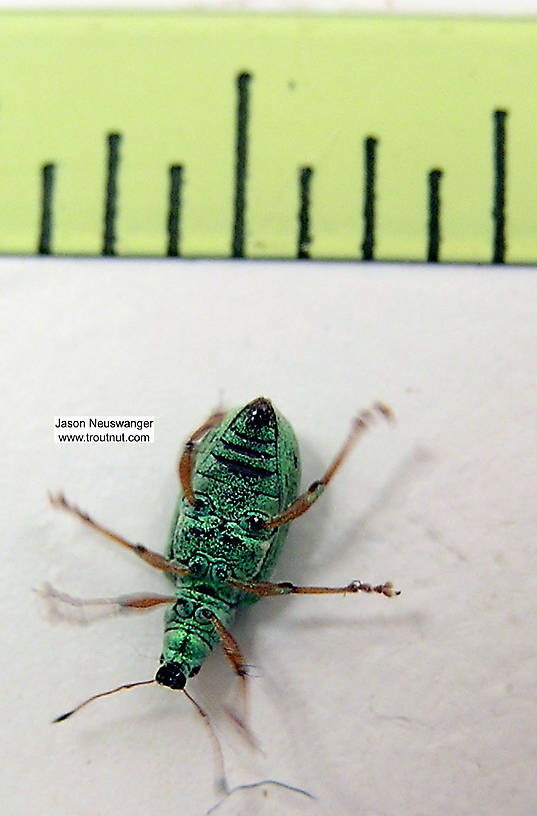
47,175
267,443
242,468
246,450
498,211
219,478
110,212
368,244
174,212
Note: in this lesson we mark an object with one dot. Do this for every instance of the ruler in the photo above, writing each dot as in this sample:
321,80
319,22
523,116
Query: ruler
260,136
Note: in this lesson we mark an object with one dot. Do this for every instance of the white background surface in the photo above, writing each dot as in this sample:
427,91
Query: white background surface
423,704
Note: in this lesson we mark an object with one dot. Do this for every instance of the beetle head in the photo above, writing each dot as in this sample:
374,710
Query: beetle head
171,675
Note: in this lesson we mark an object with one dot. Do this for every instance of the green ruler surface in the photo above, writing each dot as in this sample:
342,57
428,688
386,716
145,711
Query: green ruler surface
203,135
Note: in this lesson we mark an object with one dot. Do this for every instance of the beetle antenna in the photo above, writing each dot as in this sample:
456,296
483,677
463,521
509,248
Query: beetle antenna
220,780
63,717
220,775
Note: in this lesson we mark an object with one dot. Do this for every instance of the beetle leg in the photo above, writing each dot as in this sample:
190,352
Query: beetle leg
266,589
186,462
306,499
101,607
234,655
152,558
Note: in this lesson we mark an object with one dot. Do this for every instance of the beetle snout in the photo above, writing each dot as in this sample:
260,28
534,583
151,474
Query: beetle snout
172,676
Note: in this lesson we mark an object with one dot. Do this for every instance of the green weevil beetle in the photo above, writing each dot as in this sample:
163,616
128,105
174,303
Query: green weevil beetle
244,471
240,476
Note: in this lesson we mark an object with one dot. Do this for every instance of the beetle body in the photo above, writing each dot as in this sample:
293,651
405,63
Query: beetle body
246,470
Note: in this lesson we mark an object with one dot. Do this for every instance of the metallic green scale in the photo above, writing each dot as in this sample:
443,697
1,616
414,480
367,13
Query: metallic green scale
246,470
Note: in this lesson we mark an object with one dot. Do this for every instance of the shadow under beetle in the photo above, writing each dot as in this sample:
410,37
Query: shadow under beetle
240,477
